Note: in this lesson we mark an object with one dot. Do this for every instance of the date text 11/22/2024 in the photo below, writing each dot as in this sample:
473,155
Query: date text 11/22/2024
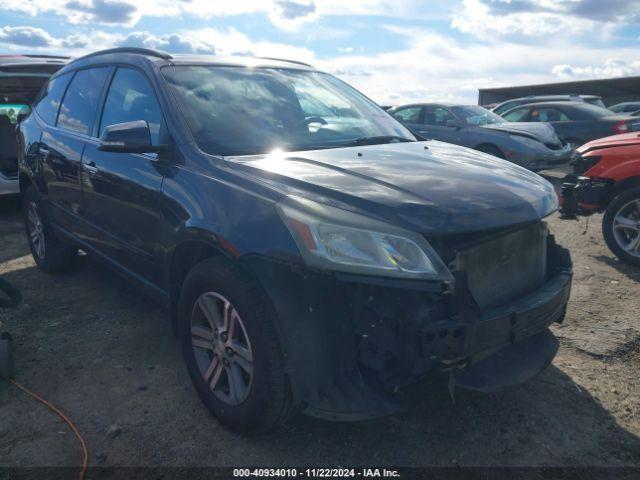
315,473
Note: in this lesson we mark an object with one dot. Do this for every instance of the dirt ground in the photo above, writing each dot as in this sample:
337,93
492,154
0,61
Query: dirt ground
105,355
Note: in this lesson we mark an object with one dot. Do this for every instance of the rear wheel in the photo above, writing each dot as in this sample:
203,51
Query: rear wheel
49,252
230,348
621,226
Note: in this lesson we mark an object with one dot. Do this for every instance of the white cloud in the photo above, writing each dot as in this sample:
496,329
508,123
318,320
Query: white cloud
544,18
435,67
477,18
36,38
611,67
286,14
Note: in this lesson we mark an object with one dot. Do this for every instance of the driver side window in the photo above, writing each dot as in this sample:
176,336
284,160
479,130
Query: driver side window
131,98
437,116
409,114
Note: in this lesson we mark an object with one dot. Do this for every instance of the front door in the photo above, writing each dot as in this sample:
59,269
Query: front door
122,190
440,124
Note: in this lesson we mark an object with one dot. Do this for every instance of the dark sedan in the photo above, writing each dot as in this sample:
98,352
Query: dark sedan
575,123
535,147
632,108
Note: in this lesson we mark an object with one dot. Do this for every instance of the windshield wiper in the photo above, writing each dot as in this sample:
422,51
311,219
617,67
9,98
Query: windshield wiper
376,140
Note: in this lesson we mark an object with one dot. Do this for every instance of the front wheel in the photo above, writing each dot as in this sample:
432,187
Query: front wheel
621,226
231,349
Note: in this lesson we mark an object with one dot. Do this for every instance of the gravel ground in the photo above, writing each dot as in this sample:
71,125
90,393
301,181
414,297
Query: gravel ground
106,356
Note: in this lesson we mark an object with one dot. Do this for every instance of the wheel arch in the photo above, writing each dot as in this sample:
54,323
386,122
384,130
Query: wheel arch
627,183
186,254
489,146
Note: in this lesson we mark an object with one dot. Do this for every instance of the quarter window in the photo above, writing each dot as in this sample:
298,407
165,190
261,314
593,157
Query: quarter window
131,98
49,102
81,100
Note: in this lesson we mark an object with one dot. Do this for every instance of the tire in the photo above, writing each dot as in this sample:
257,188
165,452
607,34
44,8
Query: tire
627,205
49,252
491,150
264,402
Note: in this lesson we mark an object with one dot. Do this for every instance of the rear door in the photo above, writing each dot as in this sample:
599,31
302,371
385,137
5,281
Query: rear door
63,139
122,190
569,127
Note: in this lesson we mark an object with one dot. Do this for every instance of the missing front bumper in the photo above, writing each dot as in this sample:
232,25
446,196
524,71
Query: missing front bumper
350,344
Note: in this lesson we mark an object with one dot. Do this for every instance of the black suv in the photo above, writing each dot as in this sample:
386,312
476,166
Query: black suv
314,255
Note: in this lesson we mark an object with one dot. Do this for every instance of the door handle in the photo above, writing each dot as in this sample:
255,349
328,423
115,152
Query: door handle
90,168
43,151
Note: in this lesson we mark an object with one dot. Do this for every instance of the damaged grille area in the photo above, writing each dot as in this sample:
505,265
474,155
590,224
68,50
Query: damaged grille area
504,268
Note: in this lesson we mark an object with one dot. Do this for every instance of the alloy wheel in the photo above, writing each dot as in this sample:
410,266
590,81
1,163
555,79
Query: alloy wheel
222,348
36,230
626,227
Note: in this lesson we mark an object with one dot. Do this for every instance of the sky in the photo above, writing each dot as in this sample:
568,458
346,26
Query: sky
393,51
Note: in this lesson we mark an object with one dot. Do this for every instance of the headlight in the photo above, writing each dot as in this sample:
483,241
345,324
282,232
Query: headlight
335,239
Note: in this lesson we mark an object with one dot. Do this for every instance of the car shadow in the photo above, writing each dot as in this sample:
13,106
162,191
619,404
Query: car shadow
549,421
106,354
630,271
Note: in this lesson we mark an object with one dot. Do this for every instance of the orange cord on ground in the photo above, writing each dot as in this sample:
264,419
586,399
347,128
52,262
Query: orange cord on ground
85,453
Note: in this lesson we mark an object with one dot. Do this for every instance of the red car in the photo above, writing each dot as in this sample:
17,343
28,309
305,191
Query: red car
607,179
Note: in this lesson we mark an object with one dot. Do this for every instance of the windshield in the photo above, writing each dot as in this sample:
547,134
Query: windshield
12,110
244,111
477,116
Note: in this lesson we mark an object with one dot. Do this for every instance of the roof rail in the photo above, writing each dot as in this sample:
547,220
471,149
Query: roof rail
286,60
53,57
142,51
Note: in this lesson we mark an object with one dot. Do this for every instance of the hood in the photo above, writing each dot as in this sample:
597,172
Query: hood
623,140
429,187
543,132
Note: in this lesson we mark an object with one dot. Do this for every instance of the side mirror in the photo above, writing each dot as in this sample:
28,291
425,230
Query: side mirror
453,124
129,137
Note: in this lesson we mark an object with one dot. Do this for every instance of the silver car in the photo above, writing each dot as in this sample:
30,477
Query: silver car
532,145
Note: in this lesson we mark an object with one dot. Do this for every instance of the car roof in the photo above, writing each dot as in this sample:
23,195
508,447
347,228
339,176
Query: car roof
554,104
554,95
425,104
636,102
160,58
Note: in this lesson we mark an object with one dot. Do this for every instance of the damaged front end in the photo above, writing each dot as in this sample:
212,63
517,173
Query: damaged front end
351,341
584,196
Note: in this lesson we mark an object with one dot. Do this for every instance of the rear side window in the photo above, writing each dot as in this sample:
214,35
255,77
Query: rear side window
517,115
81,100
437,116
49,101
131,98
548,115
